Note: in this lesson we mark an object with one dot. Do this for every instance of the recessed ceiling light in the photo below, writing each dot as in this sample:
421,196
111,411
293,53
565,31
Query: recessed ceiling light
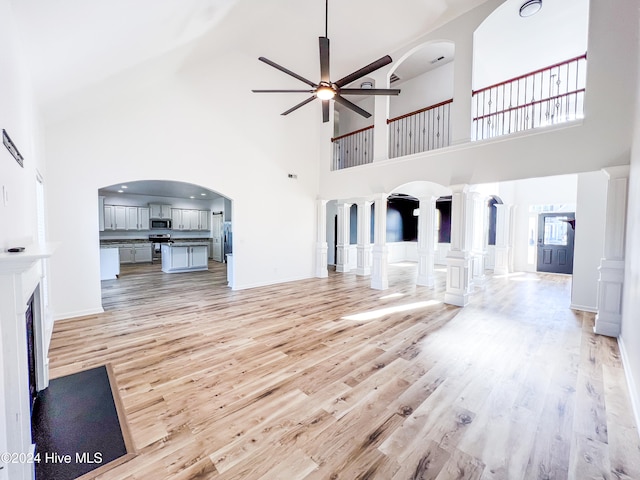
192,196
203,194
530,7
120,191
124,186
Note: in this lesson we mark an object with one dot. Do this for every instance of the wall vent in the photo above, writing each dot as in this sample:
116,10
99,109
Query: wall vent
394,78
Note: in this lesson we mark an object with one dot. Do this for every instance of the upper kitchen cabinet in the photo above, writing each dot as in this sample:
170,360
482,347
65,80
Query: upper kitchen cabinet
119,217
187,219
159,211
203,219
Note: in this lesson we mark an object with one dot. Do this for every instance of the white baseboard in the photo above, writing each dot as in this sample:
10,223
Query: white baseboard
80,313
272,282
631,384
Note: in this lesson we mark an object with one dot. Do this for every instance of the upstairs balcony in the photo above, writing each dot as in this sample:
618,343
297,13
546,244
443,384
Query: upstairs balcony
547,96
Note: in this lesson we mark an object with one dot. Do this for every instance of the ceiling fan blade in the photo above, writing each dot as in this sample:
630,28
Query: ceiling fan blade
369,91
324,59
287,71
310,99
282,91
325,111
372,67
352,106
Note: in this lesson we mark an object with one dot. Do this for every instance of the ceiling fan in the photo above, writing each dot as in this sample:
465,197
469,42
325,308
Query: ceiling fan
326,90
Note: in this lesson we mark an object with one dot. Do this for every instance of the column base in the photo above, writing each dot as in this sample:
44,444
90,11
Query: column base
379,277
610,286
459,300
364,260
321,260
342,260
458,278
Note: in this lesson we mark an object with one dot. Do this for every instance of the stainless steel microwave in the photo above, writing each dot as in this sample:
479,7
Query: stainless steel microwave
160,224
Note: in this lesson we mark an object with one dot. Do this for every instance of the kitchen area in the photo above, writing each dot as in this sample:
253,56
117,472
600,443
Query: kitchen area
174,226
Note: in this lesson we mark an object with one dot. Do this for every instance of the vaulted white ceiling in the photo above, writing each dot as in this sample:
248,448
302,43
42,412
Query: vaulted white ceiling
71,45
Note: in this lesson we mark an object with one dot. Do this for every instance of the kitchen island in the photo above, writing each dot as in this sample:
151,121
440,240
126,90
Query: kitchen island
180,257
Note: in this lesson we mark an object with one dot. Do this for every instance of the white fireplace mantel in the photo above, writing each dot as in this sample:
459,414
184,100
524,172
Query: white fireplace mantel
21,276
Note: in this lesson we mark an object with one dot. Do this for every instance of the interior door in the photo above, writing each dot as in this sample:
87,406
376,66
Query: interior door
216,237
555,242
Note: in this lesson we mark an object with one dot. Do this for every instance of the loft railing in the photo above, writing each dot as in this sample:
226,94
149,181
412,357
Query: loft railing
551,95
352,149
420,131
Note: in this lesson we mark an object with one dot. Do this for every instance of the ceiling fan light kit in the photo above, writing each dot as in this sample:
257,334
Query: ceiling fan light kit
325,89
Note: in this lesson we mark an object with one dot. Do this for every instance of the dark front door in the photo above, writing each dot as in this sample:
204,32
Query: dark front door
555,242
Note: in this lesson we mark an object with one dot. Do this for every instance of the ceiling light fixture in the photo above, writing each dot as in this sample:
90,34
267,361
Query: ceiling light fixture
124,186
530,7
325,92
366,85
203,194
120,191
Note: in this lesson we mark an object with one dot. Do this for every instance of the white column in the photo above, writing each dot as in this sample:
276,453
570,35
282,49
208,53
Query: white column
503,239
364,238
458,259
342,246
426,232
611,280
380,130
379,278
321,239
479,238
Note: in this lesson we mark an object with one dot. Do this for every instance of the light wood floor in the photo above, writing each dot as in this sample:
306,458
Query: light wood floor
328,379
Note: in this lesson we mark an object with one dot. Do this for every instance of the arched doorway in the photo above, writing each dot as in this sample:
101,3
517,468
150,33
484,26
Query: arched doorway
167,226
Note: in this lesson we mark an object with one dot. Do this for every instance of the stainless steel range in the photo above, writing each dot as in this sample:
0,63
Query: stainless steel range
157,241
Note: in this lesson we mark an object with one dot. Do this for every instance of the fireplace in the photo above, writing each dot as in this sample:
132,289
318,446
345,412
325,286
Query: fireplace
26,330
31,352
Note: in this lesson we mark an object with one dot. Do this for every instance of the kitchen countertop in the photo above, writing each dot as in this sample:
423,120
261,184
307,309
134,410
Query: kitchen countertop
188,243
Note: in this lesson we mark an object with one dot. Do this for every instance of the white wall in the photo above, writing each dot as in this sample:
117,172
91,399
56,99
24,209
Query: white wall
423,91
507,45
591,210
18,219
18,116
178,127
629,339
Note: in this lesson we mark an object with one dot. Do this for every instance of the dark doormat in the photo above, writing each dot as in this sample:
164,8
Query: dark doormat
78,426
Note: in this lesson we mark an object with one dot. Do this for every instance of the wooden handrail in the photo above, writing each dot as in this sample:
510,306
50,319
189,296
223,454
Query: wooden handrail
352,133
420,111
510,109
584,56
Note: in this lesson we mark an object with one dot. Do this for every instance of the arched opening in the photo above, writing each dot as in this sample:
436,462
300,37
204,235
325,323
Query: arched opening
163,227
419,116
529,71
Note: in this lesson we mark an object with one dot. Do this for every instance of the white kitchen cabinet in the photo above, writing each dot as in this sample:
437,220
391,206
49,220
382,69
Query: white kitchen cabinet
182,258
199,256
101,213
159,211
109,263
119,217
203,222
126,254
184,219
109,217
132,218
136,253
142,253
143,218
